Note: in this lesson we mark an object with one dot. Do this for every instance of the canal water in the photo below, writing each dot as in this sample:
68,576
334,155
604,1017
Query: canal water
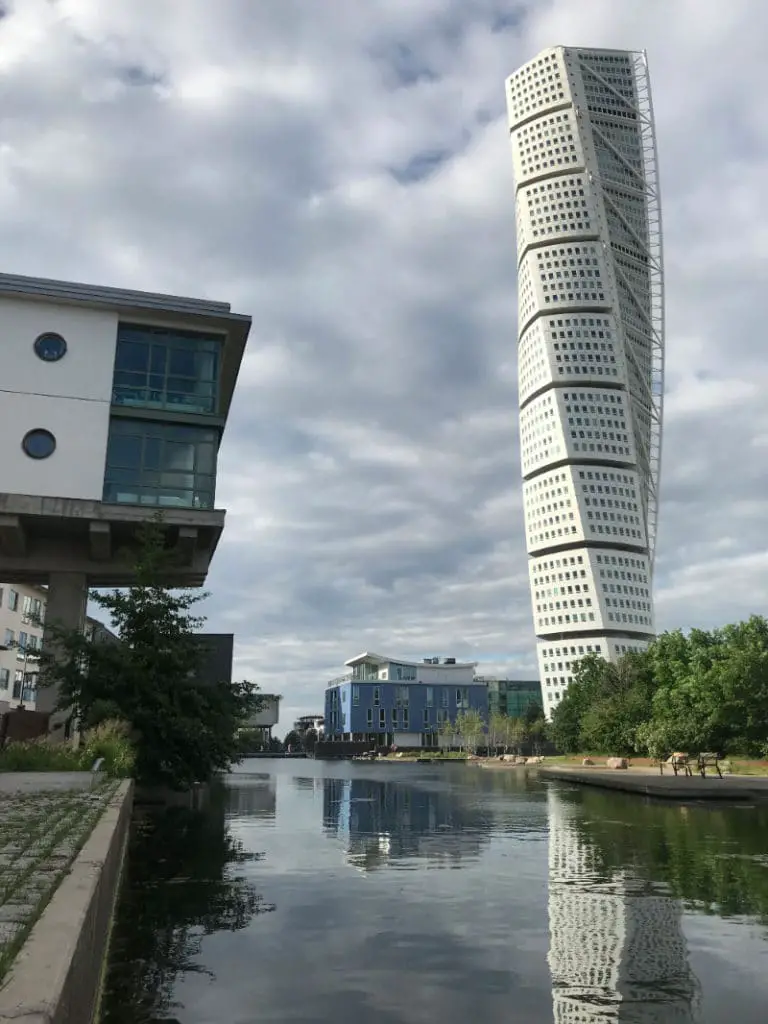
309,892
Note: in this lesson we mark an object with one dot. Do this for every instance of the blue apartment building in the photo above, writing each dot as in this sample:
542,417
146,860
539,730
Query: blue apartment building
384,701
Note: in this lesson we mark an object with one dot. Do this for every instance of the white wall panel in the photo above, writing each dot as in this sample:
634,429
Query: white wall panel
86,369
76,468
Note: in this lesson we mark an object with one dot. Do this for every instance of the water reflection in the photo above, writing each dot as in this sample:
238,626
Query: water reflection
380,821
713,858
182,883
254,796
570,905
617,950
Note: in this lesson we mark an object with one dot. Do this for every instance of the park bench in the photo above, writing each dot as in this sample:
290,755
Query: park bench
705,760
685,763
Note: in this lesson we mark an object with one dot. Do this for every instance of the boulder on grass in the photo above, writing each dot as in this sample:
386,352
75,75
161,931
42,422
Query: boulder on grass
588,762
617,762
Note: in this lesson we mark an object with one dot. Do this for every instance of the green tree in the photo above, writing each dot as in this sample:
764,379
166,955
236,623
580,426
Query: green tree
185,729
293,740
470,727
604,705
537,732
447,733
517,734
497,725
533,713
309,740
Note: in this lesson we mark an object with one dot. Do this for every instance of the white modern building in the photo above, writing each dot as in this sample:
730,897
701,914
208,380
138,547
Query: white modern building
22,613
590,350
114,405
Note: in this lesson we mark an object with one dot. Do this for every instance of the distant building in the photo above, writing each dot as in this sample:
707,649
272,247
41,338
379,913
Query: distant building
512,697
267,717
215,658
22,613
22,616
385,701
99,633
304,723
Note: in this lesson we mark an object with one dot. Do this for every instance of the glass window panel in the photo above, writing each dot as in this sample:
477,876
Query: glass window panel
178,456
176,481
128,379
153,448
182,362
172,368
206,366
132,355
167,471
206,458
120,476
158,360
124,451
182,385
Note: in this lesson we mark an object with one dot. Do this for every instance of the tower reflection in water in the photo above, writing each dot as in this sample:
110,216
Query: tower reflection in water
381,822
617,952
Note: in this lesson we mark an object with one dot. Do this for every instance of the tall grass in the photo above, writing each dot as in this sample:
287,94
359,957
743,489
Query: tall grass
110,741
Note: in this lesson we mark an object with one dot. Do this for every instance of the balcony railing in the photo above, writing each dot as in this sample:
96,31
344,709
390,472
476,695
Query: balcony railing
337,680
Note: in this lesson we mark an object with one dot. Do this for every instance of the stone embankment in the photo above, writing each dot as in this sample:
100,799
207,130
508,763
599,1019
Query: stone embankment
62,843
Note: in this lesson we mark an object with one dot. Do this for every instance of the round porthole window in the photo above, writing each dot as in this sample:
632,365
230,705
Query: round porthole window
39,444
50,347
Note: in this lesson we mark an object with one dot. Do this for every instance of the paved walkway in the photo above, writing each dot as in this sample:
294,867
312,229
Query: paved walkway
44,820
44,782
649,782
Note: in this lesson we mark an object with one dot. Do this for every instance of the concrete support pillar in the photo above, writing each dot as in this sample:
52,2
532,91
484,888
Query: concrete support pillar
65,608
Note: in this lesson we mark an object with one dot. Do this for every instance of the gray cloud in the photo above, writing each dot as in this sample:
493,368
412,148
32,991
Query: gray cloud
343,174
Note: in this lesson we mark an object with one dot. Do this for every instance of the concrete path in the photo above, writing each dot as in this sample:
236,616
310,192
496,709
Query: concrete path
648,782
44,782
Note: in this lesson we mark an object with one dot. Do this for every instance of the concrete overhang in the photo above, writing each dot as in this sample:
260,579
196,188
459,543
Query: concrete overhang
43,535
147,307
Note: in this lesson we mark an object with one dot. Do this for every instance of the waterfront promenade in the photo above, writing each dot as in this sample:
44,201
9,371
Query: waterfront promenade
648,782
62,836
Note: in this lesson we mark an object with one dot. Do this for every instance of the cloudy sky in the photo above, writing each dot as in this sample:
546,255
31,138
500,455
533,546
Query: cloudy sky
341,171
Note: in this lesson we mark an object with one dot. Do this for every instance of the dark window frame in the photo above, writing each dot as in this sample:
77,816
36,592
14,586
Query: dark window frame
150,370
143,464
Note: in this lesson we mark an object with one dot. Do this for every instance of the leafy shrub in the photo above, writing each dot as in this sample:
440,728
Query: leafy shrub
112,741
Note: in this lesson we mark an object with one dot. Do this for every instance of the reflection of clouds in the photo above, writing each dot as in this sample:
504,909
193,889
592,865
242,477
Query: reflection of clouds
253,796
381,821
617,952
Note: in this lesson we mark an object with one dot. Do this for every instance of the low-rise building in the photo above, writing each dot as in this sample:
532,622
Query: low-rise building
512,697
387,701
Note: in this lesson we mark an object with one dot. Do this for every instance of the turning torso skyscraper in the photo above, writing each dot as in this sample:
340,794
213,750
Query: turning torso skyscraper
590,350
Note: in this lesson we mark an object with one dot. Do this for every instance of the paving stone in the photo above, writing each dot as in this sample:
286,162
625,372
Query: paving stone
29,868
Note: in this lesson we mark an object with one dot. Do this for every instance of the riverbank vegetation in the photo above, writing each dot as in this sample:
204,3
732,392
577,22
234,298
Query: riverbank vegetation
183,728
109,742
705,690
